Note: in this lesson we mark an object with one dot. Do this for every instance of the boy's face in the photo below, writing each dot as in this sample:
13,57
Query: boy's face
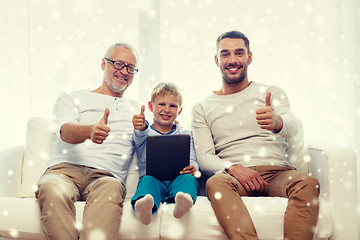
165,109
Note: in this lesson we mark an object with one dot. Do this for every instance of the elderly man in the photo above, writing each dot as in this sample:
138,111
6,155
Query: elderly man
92,152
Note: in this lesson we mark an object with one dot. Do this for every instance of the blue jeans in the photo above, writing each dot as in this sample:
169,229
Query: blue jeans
165,191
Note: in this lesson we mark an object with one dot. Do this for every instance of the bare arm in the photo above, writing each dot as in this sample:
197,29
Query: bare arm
75,133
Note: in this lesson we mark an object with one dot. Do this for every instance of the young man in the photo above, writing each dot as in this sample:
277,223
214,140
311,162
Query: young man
165,104
91,154
239,133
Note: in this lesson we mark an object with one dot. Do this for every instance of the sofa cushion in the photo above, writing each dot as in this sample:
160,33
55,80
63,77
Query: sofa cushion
14,210
163,223
201,216
267,214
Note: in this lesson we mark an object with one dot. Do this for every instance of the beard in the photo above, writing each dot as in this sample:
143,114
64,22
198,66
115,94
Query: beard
233,79
112,86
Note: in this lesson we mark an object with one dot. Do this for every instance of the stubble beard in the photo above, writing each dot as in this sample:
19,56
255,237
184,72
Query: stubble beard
118,90
233,81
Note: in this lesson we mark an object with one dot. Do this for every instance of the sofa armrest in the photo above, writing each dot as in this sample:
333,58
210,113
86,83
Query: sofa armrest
11,161
335,168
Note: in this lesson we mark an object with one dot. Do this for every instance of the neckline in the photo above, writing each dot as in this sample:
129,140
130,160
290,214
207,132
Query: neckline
172,131
251,85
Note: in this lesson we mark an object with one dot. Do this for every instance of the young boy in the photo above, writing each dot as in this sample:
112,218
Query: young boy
165,104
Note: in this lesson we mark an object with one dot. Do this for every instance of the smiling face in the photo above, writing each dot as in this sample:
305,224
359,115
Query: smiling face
233,59
165,109
116,81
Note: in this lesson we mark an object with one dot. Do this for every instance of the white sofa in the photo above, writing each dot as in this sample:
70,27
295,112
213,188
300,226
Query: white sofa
335,167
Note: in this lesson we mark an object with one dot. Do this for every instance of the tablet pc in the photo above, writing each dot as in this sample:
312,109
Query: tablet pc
167,155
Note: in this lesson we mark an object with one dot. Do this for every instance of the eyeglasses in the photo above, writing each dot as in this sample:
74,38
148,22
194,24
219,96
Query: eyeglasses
120,65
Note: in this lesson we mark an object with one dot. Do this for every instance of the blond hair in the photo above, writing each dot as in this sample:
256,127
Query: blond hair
163,88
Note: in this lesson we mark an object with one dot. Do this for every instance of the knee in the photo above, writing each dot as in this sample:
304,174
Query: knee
313,184
216,182
59,190
308,186
112,188
55,193
148,178
217,179
210,182
188,178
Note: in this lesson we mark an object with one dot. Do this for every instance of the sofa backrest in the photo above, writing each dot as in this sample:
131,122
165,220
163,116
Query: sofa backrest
298,154
38,149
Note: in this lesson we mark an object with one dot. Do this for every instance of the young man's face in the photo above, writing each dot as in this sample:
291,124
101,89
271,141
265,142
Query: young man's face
117,80
165,109
233,59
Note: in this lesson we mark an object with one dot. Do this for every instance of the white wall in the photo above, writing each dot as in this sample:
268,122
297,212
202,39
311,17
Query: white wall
49,46
308,49
302,46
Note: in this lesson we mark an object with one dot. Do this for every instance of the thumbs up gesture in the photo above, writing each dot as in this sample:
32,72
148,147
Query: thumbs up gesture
267,118
100,130
139,120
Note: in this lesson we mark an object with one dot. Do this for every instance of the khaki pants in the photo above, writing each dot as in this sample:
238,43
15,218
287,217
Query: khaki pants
62,185
302,209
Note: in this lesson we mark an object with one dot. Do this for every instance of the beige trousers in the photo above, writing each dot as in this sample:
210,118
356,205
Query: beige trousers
62,185
302,209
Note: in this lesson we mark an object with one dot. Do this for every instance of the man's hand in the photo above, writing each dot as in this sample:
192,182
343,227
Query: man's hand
267,118
189,169
100,130
249,178
139,120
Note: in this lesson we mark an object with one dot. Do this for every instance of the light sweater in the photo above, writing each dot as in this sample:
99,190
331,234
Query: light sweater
140,145
84,107
226,131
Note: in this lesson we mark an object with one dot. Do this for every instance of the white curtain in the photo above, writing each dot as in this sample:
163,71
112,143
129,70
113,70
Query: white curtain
309,48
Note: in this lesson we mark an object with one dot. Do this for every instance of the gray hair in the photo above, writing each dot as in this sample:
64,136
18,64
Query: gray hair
125,45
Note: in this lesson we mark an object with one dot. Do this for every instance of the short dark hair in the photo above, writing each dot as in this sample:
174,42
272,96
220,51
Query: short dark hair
233,34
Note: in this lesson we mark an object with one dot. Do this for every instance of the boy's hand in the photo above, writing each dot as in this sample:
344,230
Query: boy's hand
139,120
189,169
177,122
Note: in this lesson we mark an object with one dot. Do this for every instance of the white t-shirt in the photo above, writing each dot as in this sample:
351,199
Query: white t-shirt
84,107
